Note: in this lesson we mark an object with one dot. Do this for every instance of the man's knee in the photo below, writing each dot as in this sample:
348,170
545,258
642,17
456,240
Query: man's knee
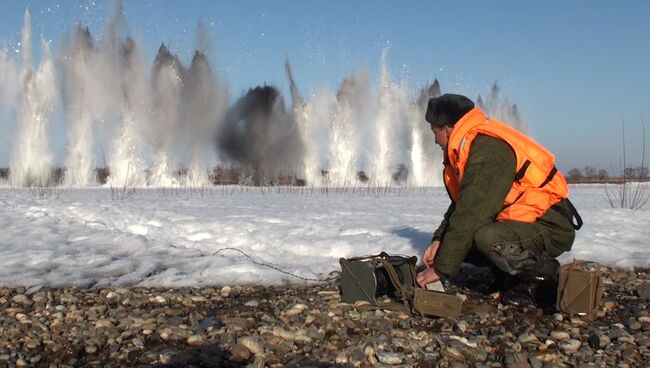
502,249
486,237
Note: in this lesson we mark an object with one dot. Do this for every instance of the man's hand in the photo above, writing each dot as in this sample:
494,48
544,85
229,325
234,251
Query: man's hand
430,253
427,276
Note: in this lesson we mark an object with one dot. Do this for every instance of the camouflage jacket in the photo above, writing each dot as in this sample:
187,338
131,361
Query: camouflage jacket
489,173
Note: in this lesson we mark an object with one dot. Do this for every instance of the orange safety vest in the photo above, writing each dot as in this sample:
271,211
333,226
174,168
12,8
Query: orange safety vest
537,185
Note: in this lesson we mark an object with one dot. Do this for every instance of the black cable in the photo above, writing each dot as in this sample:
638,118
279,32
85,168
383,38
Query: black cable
276,268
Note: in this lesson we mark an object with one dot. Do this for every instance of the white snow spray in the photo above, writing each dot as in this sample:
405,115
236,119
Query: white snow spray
87,97
367,136
31,161
131,124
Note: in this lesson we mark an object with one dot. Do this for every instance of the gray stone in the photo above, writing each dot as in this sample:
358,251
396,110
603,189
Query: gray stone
196,340
560,335
237,323
635,325
21,299
451,353
252,303
341,358
356,358
461,326
389,358
252,343
644,290
645,342
473,354
570,346
315,334
535,363
604,341
626,338
210,323
517,360
527,338
90,349
459,365
239,353
103,323
615,333
225,291
258,362
216,362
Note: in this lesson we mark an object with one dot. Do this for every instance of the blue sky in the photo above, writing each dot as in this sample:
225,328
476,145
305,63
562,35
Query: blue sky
575,68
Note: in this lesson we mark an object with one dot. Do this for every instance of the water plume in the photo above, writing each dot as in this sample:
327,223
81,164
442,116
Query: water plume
314,118
32,159
8,79
498,107
351,127
167,80
389,157
127,160
424,152
10,83
365,136
204,104
296,98
84,91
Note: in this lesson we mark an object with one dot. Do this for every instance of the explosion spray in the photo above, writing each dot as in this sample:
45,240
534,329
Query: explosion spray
31,162
169,124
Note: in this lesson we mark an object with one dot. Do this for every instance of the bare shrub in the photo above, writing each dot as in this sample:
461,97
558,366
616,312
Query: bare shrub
603,175
574,175
632,193
118,191
590,172
46,192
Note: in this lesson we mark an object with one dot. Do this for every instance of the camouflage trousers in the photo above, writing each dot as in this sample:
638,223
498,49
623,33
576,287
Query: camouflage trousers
525,250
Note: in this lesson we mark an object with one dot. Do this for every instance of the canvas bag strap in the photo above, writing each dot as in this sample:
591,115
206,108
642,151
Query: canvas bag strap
382,258
411,262
365,257
407,296
383,255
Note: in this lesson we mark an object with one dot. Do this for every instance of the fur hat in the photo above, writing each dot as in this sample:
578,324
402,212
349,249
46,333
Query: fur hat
447,109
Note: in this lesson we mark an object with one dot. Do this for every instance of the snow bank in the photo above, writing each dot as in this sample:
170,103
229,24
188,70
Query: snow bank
167,237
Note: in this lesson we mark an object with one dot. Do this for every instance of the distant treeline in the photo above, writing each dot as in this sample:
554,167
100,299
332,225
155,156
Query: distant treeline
218,175
227,176
592,175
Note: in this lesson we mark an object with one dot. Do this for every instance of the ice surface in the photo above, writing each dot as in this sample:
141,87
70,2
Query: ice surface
158,237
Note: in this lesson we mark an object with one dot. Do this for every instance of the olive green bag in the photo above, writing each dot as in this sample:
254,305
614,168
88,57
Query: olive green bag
389,282
580,288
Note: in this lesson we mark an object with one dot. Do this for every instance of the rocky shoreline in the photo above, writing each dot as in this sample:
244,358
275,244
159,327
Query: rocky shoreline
308,326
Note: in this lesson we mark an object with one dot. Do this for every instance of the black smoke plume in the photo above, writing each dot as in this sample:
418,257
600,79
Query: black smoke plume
261,137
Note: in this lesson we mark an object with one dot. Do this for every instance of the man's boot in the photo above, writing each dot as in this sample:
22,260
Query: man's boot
538,286
546,296
502,281
520,295
532,267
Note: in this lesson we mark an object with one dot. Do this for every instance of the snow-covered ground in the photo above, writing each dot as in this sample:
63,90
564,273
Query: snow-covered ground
167,237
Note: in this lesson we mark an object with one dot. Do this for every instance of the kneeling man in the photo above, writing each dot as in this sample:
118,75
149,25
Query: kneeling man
509,204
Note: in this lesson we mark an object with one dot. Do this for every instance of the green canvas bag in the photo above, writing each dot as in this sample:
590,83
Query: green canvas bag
365,280
580,288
